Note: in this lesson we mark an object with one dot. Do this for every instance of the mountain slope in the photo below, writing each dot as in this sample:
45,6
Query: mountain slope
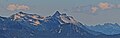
23,25
107,28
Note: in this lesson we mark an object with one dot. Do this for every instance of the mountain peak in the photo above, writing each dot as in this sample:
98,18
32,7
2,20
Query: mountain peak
57,13
21,12
62,18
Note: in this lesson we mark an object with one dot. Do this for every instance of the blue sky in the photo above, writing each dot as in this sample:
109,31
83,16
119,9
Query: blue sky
80,9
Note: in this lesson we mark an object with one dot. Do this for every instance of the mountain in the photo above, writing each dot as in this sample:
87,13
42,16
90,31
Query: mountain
107,28
23,25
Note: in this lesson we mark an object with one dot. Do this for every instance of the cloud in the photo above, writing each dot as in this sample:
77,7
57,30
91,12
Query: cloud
94,9
115,6
23,7
13,7
104,5
118,6
91,9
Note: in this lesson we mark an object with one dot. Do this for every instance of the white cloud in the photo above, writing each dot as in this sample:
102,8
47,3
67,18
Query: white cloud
94,9
23,7
104,5
118,6
13,7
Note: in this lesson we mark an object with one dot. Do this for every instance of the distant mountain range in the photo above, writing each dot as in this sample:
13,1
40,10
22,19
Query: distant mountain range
23,25
107,28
